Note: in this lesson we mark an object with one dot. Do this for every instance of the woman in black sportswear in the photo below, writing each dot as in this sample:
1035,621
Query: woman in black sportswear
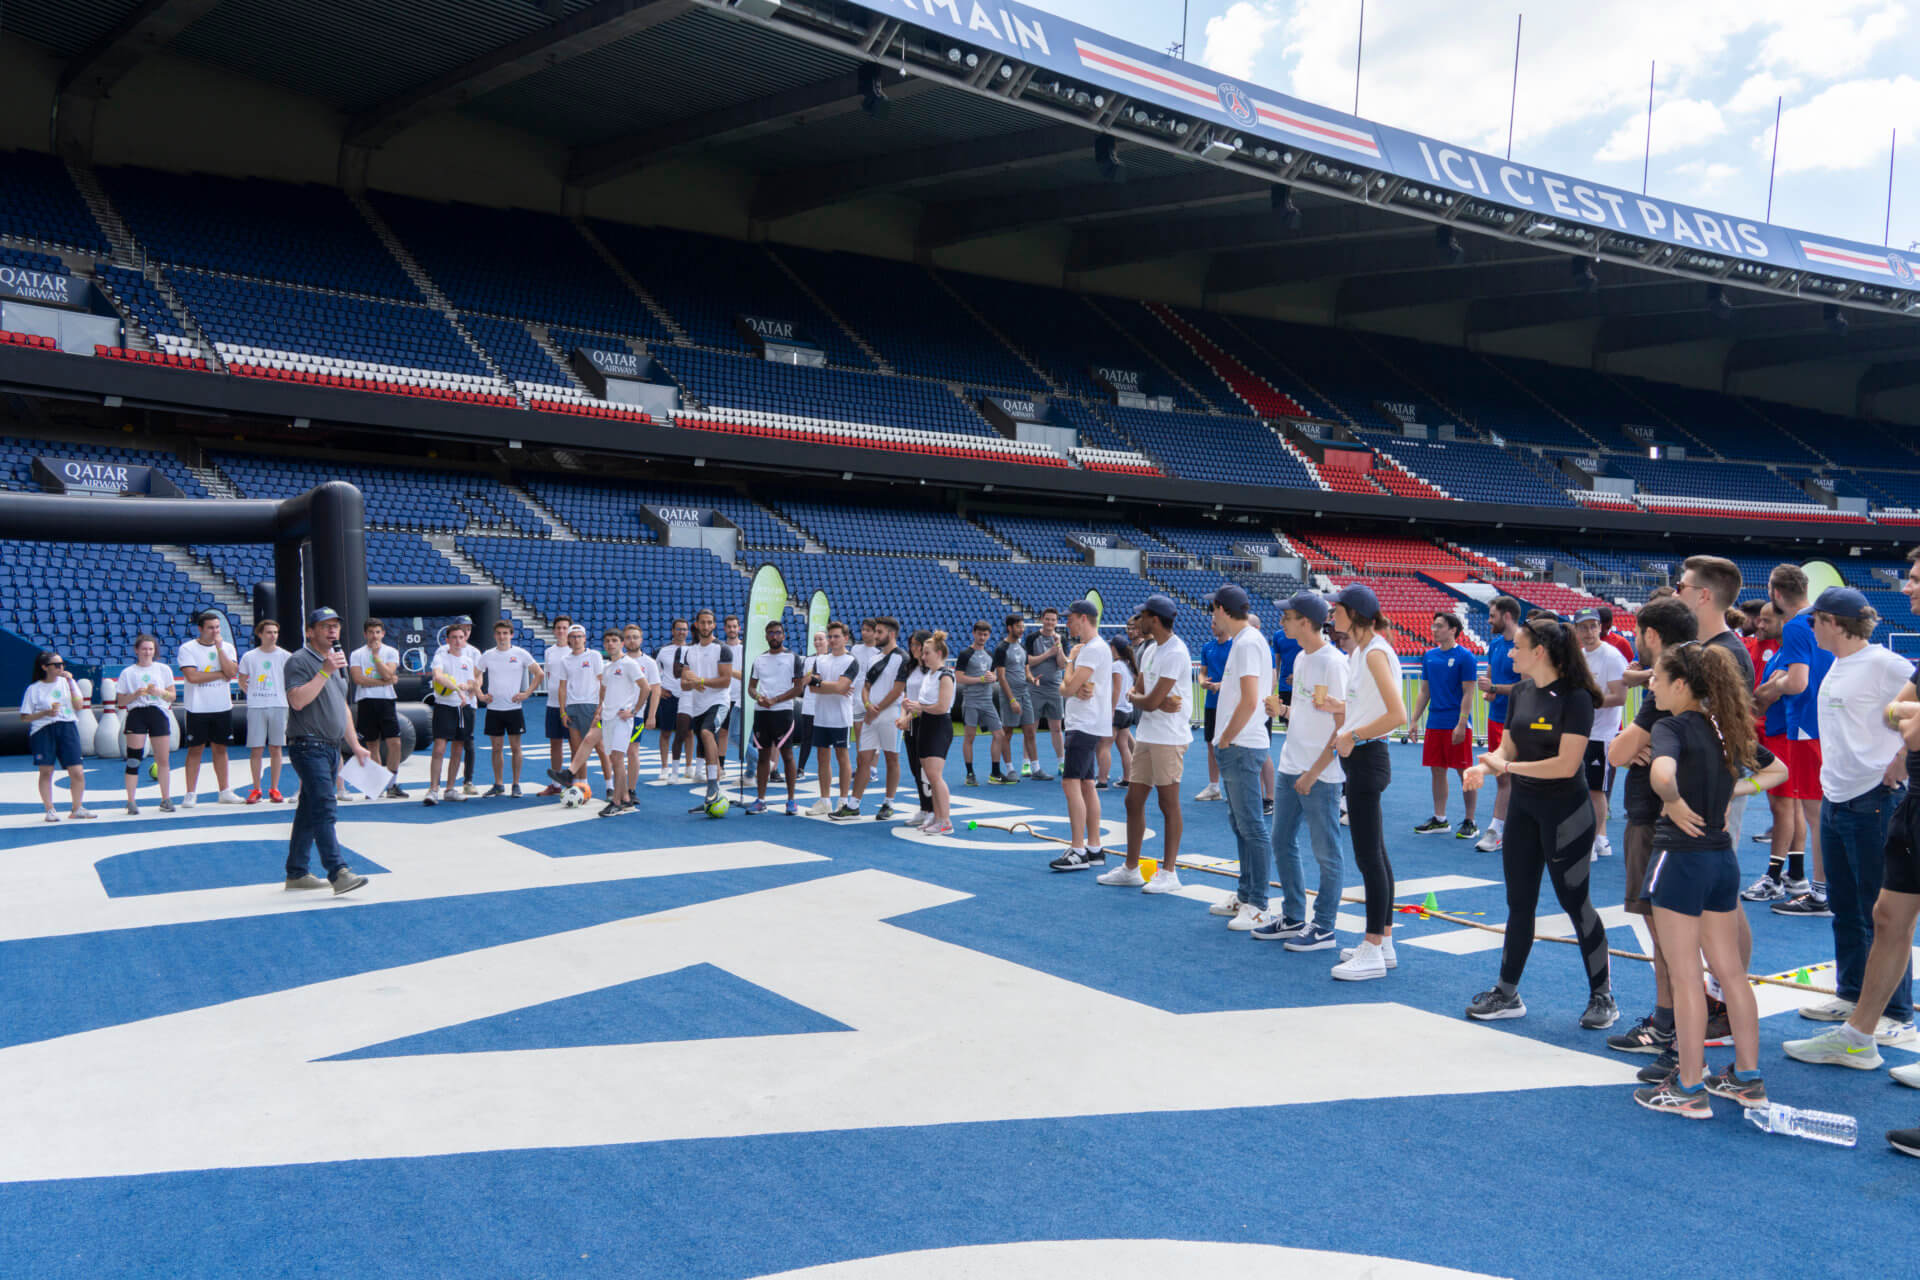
927,718
1550,824
1700,752
908,747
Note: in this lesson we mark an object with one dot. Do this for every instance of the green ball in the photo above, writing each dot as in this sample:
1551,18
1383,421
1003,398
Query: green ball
718,806
153,770
971,825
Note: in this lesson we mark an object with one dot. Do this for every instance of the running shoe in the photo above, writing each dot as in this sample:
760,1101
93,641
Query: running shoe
1103,785
1642,1037
432,797
1892,1031
189,800
1750,1093
1908,1075
496,790
1671,1098
1602,847
1227,906
1765,837
1316,939
1467,829
1601,1013
1386,950
273,794
793,808
1000,780
1661,1068
1832,1048
1209,792
1432,827
1490,842
1249,918
1765,889
133,809
1073,860
819,809
229,796
1122,876
970,780
551,789
610,808
516,791
1280,929
884,812
562,778
468,789
454,795
166,806
1266,808
1719,1033
1493,1005
1040,775
1905,1141
1165,880
758,806
938,828
393,792
845,813
1835,1010
1026,768
52,816
254,796
1806,906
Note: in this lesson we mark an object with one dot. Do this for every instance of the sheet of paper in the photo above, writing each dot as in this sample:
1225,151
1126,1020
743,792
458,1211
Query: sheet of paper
369,779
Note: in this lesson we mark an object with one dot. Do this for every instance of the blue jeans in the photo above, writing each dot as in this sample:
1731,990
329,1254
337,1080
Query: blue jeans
1240,780
314,763
1321,809
1853,841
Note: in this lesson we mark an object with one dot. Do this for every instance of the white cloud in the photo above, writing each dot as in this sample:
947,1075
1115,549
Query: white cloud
1236,37
1704,176
1760,91
1847,126
1818,41
1677,126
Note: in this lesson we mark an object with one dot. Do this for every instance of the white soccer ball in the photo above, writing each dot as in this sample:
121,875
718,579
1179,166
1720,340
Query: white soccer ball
573,797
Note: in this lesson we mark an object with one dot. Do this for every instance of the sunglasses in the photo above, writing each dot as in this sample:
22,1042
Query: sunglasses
52,665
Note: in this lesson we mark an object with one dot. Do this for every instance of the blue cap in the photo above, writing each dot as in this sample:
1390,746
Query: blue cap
1233,598
1161,607
1357,598
1309,605
1587,615
320,615
1842,602
1084,608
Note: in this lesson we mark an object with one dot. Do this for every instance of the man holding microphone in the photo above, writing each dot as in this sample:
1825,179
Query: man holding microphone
317,723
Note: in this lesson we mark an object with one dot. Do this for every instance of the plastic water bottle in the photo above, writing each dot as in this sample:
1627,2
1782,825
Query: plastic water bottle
1821,1126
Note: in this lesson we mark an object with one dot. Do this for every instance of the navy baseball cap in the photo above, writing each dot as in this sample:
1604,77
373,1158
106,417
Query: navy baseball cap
1309,605
1587,615
462,621
1085,609
1233,598
1161,607
1357,598
320,615
1842,602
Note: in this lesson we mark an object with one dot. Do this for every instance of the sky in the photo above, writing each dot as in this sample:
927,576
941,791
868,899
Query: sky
1847,72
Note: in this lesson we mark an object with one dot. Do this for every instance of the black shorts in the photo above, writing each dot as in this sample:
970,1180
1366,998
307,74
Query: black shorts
1599,772
209,728
1692,882
667,714
152,721
1903,857
376,719
506,721
1208,726
932,737
828,736
556,723
708,721
773,730
1081,762
1285,696
451,723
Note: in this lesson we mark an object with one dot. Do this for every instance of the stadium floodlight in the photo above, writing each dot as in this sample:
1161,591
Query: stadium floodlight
757,8
1106,155
1100,101
873,98
954,55
1718,303
1183,128
973,60
1584,277
1449,245
1006,71
1835,319
1218,149
1281,200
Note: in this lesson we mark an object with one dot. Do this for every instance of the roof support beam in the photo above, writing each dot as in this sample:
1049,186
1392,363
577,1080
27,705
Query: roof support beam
1891,376
1499,269
1096,248
1642,296
1620,333
786,195
591,28
1897,340
953,223
807,103
1404,247
150,27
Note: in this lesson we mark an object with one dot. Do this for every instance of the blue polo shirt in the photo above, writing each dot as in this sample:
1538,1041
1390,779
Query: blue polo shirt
1798,645
1444,670
1213,657
1499,671
1285,651
1776,723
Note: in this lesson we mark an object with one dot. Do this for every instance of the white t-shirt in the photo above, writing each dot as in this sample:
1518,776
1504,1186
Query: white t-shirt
1309,729
506,672
459,668
774,672
704,661
1855,743
1249,655
63,695
215,695
550,663
1364,703
581,672
809,700
1123,704
362,660
649,669
263,677
834,710
923,686
888,665
1092,715
670,679
1162,662
622,678
1605,664
147,681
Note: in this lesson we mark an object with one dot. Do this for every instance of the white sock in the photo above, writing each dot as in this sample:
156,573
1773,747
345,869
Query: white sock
1497,826
713,773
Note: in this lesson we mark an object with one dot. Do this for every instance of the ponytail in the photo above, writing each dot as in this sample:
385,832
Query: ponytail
1723,696
1564,652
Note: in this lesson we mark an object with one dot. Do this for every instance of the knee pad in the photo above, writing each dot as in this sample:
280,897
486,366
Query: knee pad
133,761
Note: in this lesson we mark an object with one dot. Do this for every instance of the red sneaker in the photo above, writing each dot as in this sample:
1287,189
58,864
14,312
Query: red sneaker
275,796
551,790
253,796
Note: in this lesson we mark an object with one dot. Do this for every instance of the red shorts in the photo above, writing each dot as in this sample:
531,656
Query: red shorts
1439,750
1496,730
1803,769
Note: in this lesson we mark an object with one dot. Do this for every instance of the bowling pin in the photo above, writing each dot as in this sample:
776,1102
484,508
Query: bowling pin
110,741
86,722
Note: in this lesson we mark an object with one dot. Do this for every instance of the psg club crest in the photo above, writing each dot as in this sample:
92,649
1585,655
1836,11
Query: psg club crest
1902,269
1237,104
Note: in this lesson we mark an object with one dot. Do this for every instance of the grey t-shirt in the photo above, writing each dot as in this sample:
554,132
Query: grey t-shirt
1011,657
975,662
326,716
1052,671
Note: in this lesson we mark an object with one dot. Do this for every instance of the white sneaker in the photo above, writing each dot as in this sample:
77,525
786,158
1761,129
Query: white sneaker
189,800
1835,1010
1227,906
1386,953
819,809
1489,842
1164,881
1908,1075
1602,847
1888,1031
1366,961
1209,792
230,796
1124,876
1249,919
919,816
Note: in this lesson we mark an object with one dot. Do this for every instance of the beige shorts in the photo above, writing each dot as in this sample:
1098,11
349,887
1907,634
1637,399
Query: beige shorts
1158,764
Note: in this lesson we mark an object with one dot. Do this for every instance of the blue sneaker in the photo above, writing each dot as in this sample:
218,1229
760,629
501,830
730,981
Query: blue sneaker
793,808
758,806
1279,930
1313,938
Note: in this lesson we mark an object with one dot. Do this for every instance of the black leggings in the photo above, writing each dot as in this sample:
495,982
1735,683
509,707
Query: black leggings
1368,773
910,747
805,734
1551,829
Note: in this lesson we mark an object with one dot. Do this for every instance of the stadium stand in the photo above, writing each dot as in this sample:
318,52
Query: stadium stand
607,584
396,497
141,303
1475,392
888,530
40,204
1198,387
1053,328
88,602
17,455
1467,470
1219,449
611,512
920,593
1251,389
